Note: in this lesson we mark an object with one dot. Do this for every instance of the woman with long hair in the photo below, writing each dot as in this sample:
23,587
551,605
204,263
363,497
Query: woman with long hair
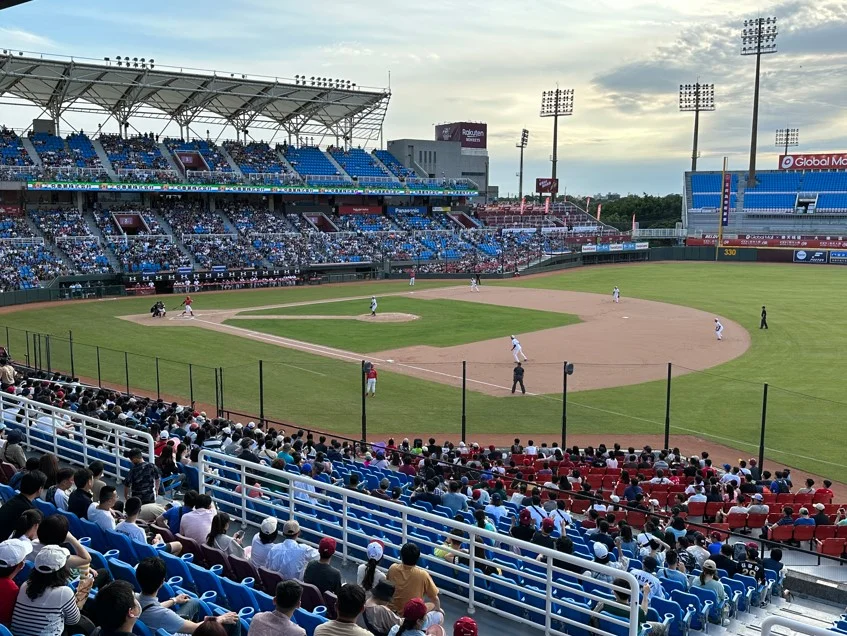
46,604
218,537
182,455
167,466
49,465
368,575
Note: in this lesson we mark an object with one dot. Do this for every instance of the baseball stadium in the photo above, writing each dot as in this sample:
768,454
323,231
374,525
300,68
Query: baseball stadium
307,375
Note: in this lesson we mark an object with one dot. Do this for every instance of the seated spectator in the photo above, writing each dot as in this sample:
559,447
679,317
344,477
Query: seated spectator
263,542
416,619
219,539
451,550
31,487
278,623
103,513
601,556
809,489
821,518
27,526
198,523
57,494
13,553
46,604
53,530
456,501
709,580
544,537
724,560
656,629
320,573
80,499
351,603
13,453
411,581
496,510
369,574
117,609
290,558
176,615
96,468
674,569
804,519
172,517
129,527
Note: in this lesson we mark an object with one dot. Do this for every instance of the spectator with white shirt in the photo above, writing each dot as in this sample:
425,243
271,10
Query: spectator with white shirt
530,449
537,513
129,527
102,513
263,542
290,558
660,478
57,494
697,496
197,523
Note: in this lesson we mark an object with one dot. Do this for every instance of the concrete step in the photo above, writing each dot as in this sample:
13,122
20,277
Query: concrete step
92,227
104,159
31,151
385,169
170,158
231,162
337,165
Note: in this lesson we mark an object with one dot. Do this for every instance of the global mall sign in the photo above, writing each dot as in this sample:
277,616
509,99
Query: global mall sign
823,161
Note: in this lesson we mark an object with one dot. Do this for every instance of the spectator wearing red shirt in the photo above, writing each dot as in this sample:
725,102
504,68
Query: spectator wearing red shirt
13,553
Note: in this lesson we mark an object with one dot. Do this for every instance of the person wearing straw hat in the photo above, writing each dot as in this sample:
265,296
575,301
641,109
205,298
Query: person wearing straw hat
418,620
46,604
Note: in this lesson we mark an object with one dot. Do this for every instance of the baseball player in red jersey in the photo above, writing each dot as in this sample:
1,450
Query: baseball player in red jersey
370,374
187,307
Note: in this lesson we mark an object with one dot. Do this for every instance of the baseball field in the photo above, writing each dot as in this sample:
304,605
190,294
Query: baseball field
311,341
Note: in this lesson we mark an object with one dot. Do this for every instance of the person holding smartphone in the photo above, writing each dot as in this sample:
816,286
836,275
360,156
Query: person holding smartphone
218,537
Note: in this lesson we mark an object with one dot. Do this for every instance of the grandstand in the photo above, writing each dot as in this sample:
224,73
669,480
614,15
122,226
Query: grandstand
362,166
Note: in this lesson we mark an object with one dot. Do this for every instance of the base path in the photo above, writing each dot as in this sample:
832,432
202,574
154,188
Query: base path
615,344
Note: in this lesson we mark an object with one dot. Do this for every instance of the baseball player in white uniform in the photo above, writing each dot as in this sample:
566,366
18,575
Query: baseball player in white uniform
474,285
412,279
373,305
718,329
616,294
517,349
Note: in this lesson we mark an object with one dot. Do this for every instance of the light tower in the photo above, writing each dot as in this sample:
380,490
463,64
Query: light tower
522,144
696,98
786,137
758,37
555,104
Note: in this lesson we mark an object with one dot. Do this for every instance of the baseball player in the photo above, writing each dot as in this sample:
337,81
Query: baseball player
373,305
616,294
517,349
412,279
718,329
764,322
187,307
474,284
370,375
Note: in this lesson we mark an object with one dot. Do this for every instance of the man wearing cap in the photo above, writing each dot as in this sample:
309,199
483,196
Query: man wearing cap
416,619
465,626
647,576
290,558
278,623
544,537
524,529
821,518
320,573
13,553
351,603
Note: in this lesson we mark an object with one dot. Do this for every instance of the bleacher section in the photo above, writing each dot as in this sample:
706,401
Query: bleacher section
393,164
255,158
312,164
136,153
361,166
148,254
83,151
213,158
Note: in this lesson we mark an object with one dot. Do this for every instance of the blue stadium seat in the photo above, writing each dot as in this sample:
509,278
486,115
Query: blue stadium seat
308,620
122,543
681,620
122,571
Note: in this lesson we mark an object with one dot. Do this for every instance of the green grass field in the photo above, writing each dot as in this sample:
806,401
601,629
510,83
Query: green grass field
801,355
442,323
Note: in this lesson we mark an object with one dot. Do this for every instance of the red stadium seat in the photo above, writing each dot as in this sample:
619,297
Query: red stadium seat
696,508
781,533
841,532
712,508
821,497
824,532
832,547
756,521
804,533
736,520
804,500
722,529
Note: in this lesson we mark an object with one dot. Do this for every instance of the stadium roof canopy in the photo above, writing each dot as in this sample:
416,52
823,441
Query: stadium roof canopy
314,106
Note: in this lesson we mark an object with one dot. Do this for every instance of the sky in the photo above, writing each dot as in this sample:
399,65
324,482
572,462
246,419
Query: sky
489,61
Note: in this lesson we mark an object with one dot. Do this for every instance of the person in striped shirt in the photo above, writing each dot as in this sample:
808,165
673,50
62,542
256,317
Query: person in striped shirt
46,604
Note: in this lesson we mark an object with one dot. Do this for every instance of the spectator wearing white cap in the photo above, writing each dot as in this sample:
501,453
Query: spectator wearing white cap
821,518
263,541
369,574
757,506
13,553
290,558
601,556
46,604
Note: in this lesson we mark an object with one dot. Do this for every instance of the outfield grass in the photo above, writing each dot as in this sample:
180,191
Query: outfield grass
441,323
802,351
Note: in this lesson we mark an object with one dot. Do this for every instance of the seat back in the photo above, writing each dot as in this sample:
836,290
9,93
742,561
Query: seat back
311,598
120,542
95,533
331,605
242,569
307,620
213,556
206,580
270,580
190,546
176,566
238,596
122,571
74,524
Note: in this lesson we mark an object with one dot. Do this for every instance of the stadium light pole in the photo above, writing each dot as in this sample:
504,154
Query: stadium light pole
555,104
758,37
522,144
786,137
696,98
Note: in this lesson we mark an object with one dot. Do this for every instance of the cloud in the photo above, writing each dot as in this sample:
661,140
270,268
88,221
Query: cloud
13,38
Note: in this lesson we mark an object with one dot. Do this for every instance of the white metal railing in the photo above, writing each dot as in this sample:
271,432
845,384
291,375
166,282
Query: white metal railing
90,439
772,621
18,173
662,232
22,240
70,173
549,600
213,176
78,238
144,174
272,178
231,235
326,178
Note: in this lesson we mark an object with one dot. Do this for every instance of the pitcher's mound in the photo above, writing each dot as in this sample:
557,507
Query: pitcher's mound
387,317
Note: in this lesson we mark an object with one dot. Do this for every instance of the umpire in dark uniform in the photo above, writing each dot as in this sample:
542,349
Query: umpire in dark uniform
764,323
517,378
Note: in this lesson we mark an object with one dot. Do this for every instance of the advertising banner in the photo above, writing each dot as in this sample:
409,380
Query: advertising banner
726,198
550,186
396,209
359,209
441,208
470,134
838,258
821,161
614,247
816,258
766,240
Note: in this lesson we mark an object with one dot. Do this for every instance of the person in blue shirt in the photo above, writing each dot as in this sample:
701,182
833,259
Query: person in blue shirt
632,491
804,519
173,516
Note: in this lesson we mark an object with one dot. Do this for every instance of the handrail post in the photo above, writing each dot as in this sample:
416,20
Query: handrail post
158,390
668,410
99,376
191,384
472,569
126,370
764,422
243,495
344,503
71,347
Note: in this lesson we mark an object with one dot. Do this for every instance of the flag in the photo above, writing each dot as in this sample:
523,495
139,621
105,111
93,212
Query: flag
547,205
588,205
599,210
523,204
633,223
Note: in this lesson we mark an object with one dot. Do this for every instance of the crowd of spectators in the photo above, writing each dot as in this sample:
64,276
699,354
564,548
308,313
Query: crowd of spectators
148,254
12,151
231,251
206,148
256,158
192,218
27,266
250,220
86,254
61,222
135,153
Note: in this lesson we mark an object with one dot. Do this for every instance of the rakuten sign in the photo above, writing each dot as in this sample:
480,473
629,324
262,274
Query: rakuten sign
826,161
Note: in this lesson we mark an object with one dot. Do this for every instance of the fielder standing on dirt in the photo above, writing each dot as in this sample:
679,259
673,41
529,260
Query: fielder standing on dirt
517,378
373,305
